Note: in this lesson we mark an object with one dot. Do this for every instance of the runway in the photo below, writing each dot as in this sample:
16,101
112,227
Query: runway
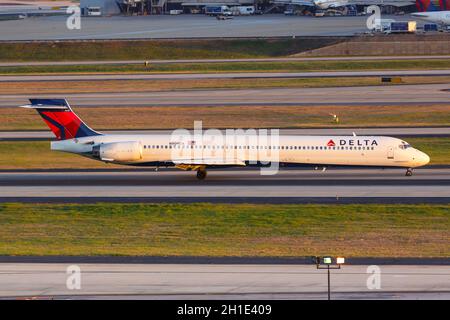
162,61
392,132
225,75
241,185
194,281
364,95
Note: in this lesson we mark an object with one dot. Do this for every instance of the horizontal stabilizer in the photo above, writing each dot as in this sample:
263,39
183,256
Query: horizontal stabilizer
44,106
49,104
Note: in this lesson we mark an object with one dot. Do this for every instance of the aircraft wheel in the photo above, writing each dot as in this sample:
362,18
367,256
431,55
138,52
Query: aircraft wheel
408,173
201,174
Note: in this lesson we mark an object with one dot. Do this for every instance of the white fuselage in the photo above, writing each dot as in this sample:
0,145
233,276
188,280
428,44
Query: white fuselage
438,17
328,4
315,150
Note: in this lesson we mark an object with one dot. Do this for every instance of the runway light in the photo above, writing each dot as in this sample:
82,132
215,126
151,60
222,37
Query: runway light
327,260
340,260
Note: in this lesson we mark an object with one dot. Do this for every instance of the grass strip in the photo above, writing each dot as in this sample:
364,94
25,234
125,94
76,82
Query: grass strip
225,230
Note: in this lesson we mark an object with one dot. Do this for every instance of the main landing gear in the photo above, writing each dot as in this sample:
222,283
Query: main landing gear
201,174
408,172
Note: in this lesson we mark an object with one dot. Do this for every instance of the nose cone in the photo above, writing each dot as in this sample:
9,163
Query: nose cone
422,158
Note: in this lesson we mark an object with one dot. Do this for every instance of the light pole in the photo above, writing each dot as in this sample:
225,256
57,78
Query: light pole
327,263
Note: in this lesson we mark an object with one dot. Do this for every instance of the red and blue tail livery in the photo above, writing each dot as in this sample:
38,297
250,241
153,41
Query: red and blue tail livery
60,118
444,4
432,5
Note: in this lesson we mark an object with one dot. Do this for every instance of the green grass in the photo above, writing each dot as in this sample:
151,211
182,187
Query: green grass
293,66
225,230
437,148
156,49
37,155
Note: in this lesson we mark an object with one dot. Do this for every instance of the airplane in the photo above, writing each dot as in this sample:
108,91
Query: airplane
327,4
433,11
330,4
74,136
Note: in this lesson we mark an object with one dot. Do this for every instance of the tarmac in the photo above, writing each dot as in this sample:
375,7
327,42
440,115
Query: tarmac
363,95
180,26
199,281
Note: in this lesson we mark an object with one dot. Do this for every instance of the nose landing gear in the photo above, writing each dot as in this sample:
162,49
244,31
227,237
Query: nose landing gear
408,172
201,174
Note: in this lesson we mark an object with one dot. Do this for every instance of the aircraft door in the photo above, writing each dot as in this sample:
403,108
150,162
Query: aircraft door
390,153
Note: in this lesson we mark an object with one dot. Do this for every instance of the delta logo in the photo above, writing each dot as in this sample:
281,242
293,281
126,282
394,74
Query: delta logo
331,143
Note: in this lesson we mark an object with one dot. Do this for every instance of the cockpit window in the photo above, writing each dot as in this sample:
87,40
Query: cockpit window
404,145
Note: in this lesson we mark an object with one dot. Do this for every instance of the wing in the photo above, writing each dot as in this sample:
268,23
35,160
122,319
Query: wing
307,3
194,164
395,3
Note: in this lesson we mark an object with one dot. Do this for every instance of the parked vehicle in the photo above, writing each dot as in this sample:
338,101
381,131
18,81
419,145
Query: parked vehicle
430,27
218,10
319,13
94,11
175,12
289,12
243,10
223,17
403,27
383,25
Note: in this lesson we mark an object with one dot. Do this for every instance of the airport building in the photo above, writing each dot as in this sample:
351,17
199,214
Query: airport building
144,7
131,7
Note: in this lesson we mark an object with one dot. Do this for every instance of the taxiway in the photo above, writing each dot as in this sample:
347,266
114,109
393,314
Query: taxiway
363,95
225,75
389,131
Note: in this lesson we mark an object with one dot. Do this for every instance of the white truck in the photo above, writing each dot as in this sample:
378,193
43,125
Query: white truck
218,11
243,10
